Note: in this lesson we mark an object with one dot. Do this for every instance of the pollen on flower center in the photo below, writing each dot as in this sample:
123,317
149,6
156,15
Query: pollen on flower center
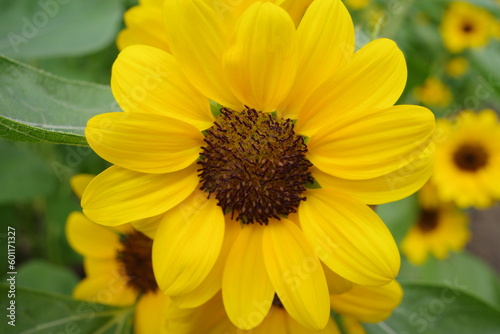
137,264
428,220
470,158
255,165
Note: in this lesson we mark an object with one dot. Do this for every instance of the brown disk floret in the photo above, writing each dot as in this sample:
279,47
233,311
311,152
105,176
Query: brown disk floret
255,165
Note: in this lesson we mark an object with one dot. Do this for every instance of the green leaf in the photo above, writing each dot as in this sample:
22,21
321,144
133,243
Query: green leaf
40,312
46,276
475,277
55,28
439,309
33,177
399,216
36,106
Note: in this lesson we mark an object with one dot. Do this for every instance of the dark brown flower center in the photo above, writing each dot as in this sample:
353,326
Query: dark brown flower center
428,220
255,165
467,27
137,264
470,157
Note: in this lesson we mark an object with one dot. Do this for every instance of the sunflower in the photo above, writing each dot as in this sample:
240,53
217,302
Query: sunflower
440,228
117,263
457,66
467,167
358,304
433,93
276,180
465,26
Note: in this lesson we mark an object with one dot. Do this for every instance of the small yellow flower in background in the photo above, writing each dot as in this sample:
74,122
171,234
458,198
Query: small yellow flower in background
465,26
117,263
235,188
457,66
440,228
433,93
358,304
357,4
467,166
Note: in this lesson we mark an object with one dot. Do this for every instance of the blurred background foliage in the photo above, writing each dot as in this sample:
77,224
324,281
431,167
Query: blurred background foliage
75,40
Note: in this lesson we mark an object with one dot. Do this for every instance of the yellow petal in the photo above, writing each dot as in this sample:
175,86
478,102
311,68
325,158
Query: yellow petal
79,182
118,195
275,322
144,26
144,143
148,226
296,328
336,284
374,79
150,315
199,47
187,244
387,188
349,237
246,288
368,304
261,60
296,274
105,289
213,283
146,79
296,9
90,239
374,145
326,41
99,266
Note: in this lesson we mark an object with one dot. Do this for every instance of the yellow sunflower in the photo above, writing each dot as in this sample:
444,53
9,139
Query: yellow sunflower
117,263
457,67
298,106
433,93
358,304
440,228
467,167
465,26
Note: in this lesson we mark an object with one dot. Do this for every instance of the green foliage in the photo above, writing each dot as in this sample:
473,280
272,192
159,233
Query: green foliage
434,309
470,274
34,178
36,106
41,313
46,276
55,28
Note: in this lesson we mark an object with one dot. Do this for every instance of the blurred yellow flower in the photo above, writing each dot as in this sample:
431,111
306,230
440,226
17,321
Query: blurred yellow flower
359,304
357,4
465,26
118,266
433,93
299,106
467,167
457,67
440,228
